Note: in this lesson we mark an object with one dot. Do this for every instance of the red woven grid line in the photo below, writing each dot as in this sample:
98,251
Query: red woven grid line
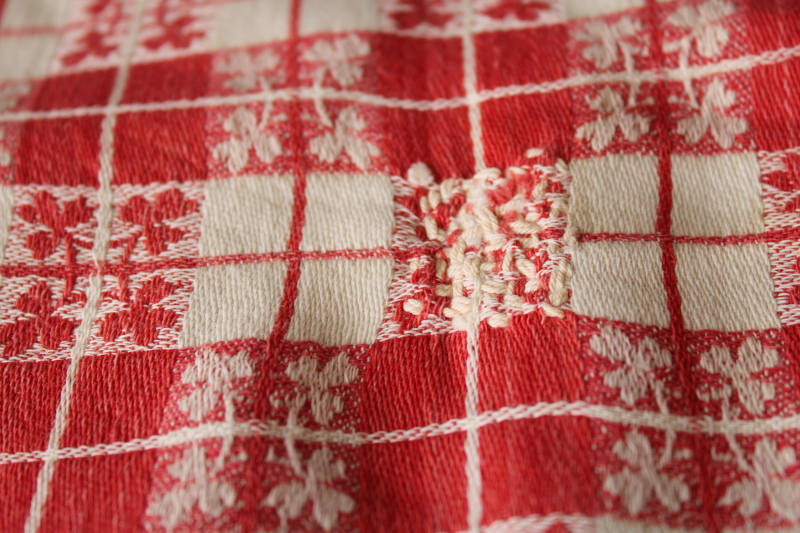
116,269
773,236
264,371
668,262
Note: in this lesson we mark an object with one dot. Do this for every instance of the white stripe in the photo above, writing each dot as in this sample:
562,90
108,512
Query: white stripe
102,238
695,72
253,428
471,85
472,466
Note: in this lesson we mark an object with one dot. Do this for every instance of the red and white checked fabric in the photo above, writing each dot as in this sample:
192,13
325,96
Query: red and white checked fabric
399,265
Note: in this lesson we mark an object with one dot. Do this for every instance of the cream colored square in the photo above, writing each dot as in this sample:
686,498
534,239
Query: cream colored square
338,16
620,281
726,288
233,302
615,194
34,13
348,211
249,22
248,215
26,56
716,195
591,8
6,214
341,301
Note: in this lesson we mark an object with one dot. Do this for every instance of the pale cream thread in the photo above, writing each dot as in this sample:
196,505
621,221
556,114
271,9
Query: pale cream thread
615,415
104,215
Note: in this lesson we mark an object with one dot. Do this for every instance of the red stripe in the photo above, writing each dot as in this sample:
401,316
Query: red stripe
683,359
256,447
750,238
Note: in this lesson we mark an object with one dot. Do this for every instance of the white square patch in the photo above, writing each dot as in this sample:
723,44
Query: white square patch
620,281
615,194
234,23
716,195
574,9
6,215
341,301
233,302
338,16
348,211
726,288
26,56
34,13
248,215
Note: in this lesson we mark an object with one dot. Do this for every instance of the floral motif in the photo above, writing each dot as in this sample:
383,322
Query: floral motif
201,481
176,27
11,94
104,18
290,498
767,477
197,486
612,115
608,41
640,479
638,365
246,135
339,58
709,116
346,137
752,358
142,319
214,377
312,478
61,222
41,322
324,403
5,155
248,72
408,14
153,217
702,25
511,9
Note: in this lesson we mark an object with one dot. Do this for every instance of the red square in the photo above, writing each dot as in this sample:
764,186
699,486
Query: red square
416,69
791,339
514,124
519,57
59,151
535,359
92,88
776,105
118,398
106,493
414,487
440,139
771,25
414,381
183,78
31,392
538,467
160,146
17,486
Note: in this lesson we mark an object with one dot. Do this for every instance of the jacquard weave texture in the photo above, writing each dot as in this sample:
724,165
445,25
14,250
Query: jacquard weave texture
418,266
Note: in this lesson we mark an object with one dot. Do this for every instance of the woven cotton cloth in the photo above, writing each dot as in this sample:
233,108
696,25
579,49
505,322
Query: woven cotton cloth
416,266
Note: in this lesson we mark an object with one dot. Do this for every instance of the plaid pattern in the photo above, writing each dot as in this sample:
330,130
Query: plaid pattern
259,272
